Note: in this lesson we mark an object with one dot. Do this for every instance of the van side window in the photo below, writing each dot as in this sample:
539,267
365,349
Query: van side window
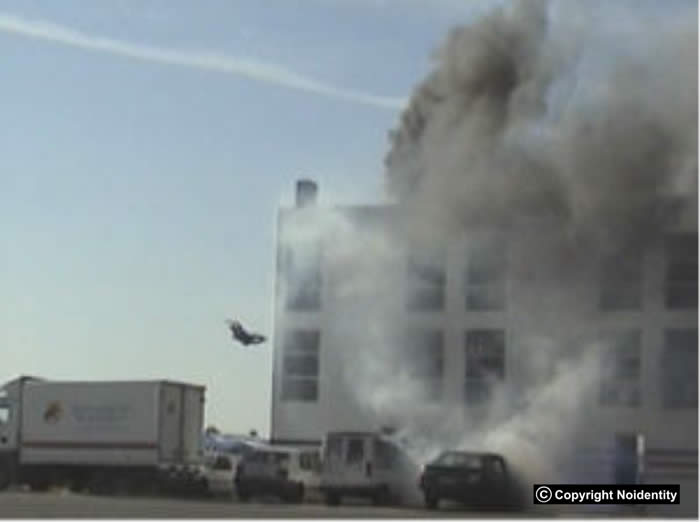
4,414
280,459
356,451
316,462
334,447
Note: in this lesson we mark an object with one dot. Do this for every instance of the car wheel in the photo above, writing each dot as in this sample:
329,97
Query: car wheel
243,494
431,501
332,499
298,494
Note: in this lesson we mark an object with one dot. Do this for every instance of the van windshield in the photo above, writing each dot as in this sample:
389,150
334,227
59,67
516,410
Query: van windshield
356,451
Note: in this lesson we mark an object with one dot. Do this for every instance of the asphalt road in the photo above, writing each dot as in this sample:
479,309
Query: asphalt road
65,505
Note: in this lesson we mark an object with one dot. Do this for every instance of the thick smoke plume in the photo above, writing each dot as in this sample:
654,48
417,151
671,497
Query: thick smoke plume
579,121
569,127
555,110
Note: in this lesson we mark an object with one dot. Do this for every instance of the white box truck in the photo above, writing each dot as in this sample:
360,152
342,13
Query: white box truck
116,436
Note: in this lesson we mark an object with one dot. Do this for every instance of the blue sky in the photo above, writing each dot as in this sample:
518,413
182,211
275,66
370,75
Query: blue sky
139,198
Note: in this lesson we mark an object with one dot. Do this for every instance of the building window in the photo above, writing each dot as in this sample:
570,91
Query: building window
425,361
485,363
621,283
426,279
303,277
682,271
621,370
485,278
300,365
679,369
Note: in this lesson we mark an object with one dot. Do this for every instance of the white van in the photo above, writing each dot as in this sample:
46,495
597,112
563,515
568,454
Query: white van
367,464
286,472
219,473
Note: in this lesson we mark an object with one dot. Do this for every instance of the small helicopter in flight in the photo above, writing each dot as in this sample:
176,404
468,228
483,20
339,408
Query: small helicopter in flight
241,335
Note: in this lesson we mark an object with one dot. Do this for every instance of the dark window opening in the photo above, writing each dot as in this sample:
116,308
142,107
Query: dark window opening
356,451
682,271
303,277
679,369
485,276
621,370
424,357
621,283
300,365
296,389
426,279
485,363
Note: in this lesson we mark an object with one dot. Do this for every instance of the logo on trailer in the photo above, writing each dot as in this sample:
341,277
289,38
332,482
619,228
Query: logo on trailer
53,413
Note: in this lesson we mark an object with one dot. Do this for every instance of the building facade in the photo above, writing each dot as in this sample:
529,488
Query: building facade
481,310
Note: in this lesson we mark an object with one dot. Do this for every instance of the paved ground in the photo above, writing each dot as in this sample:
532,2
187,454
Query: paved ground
63,505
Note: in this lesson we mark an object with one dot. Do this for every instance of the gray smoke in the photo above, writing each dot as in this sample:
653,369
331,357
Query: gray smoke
551,109
573,129
577,124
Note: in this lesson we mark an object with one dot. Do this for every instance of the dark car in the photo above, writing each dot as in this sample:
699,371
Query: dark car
474,479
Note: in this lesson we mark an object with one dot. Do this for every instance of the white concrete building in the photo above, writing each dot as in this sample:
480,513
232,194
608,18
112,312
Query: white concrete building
478,312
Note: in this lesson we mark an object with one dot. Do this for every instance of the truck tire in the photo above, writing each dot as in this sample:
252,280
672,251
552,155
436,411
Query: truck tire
77,483
101,484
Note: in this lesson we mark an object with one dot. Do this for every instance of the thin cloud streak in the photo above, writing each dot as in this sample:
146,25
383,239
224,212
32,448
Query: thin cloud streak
252,69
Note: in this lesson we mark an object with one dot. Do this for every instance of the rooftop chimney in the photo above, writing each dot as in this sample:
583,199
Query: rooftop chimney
307,191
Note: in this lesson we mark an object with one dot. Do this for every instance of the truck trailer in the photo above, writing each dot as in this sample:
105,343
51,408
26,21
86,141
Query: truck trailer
101,436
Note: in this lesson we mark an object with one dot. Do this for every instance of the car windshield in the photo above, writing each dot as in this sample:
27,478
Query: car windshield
454,459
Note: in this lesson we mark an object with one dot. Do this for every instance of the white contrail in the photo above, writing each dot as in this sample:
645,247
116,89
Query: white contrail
265,72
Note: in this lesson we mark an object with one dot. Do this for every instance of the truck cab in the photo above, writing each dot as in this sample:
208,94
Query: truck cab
10,400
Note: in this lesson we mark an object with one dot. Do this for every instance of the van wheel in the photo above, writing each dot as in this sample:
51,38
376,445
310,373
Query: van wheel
296,495
243,494
381,496
431,501
332,499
